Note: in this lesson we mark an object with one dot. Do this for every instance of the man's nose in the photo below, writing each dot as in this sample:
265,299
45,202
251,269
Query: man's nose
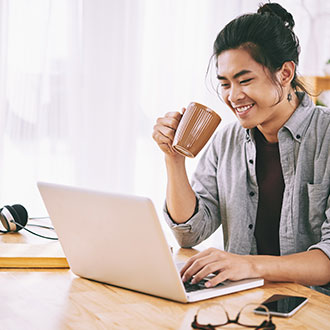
235,94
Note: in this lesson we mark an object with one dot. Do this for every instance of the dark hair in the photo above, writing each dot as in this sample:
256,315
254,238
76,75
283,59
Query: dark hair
267,36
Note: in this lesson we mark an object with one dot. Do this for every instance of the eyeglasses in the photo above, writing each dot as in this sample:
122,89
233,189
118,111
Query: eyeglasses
212,316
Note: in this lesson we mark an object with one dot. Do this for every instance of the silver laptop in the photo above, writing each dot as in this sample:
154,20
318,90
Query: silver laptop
118,240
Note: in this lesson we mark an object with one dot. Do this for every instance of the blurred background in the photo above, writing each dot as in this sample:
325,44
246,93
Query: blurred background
82,83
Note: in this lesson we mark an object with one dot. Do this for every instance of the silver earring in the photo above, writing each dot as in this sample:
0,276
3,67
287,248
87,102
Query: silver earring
289,98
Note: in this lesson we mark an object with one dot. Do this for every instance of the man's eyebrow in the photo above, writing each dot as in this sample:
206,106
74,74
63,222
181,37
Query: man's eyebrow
236,75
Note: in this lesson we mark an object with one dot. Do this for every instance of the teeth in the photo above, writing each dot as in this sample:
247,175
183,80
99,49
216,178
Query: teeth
246,107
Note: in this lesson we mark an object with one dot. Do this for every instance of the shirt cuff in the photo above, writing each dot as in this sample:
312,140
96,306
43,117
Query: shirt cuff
186,233
323,246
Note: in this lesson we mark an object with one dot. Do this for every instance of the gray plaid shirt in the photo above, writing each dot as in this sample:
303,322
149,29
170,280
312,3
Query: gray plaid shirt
225,184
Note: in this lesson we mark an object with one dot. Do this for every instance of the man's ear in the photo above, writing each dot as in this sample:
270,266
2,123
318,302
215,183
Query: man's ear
286,74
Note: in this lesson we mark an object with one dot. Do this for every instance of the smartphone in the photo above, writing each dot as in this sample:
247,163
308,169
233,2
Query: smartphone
282,305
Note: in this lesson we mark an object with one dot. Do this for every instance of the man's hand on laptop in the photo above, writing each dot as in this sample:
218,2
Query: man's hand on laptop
225,265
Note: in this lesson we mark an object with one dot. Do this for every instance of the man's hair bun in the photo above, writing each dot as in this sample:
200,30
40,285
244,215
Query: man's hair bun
277,10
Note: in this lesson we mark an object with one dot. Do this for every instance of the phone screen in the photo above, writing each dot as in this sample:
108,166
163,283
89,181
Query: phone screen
283,305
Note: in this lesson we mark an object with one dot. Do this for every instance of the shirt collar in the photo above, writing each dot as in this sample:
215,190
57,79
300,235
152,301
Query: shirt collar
298,122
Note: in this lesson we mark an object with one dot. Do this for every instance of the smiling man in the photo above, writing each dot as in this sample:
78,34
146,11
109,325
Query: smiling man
265,178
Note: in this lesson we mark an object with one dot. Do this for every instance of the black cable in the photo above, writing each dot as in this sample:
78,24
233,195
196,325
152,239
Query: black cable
40,226
19,225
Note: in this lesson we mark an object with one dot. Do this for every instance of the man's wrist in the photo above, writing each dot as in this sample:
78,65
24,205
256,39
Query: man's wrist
257,266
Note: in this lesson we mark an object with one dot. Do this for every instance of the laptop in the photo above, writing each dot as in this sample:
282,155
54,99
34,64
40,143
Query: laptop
118,240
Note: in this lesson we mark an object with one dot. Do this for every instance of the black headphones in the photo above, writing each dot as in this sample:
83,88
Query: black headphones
15,217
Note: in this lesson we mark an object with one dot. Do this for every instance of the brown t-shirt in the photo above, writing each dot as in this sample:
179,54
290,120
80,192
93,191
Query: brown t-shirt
271,187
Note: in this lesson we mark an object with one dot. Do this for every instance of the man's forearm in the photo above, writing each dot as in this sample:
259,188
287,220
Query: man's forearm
307,268
180,197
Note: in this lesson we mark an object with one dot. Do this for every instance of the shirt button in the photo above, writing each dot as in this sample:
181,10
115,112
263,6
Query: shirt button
298,136
251,161
251,193
250,226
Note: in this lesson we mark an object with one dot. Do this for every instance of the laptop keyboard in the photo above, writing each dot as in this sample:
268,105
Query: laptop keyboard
189,287
198,286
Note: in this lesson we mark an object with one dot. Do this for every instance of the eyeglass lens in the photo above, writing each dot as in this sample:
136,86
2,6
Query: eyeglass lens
212,316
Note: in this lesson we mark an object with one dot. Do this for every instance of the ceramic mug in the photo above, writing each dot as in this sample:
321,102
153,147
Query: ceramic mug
195,128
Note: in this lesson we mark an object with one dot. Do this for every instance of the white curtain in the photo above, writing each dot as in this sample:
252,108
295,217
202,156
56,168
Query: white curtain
83,81
40,64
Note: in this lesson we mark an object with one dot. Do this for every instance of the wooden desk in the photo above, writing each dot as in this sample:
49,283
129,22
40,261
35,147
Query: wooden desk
57,299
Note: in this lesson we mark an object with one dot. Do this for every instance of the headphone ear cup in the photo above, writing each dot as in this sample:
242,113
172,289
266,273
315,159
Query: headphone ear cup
19,214
4,222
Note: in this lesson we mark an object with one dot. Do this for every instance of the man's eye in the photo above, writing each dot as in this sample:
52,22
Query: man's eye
245,81
224,85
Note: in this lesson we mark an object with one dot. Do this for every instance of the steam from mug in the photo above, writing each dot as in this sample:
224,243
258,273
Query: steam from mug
195,128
